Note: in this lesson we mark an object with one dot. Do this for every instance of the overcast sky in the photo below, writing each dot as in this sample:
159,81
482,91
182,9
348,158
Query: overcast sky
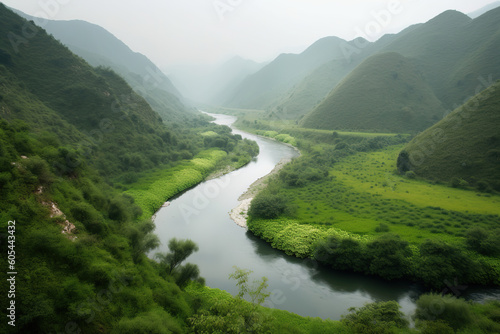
173,32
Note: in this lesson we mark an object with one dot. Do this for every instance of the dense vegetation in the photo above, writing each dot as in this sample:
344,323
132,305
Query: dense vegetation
344,204
385,93
72,138
475,162
85,161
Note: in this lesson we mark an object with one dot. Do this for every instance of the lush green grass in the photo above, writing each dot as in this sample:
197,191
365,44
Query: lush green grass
365,191
150,195
375,173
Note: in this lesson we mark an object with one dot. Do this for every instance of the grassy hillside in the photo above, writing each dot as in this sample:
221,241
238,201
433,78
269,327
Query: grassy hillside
463,148
453,52
308,93
385,93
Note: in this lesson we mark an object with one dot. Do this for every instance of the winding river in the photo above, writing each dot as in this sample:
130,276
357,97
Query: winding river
300,286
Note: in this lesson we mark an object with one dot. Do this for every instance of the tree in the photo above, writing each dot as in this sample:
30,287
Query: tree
267,206
257,293
388,256
439,262
484,242
180,250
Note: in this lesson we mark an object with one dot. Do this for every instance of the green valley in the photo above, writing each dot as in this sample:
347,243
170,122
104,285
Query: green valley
362,175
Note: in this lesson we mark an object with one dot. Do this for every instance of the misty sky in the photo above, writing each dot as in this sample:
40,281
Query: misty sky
173,32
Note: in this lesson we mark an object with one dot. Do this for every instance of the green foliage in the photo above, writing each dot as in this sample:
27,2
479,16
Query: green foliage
180,250
157,322
440,262
257,293
383,317
456,313
267,206
388,256
382,228
484,242
342,253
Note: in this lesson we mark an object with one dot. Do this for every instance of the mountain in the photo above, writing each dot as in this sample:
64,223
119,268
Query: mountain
93,109
265,87
463,146
483,10
385,93
456,56
101,48
67,130
308,93
448,51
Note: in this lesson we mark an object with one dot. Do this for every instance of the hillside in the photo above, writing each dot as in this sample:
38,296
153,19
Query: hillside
448,50
265,87
69,135
385,93
463,146
101,48
454,53
308,93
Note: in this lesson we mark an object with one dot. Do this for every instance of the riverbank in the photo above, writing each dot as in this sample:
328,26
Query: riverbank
240,213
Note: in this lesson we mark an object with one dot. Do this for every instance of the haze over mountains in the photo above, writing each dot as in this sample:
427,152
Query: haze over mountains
452,52
101,48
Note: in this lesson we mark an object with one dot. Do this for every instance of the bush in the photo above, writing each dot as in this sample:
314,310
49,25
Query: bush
382,228
267,206
341,254
410,175
439,262
376,318
388,257
456,313
484,242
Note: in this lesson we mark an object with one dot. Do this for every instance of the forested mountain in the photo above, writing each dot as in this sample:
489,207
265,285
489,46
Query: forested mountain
68,132
455,56
386,92
463,148
101,48
265,87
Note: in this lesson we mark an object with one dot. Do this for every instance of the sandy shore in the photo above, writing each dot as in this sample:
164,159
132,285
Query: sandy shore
240,214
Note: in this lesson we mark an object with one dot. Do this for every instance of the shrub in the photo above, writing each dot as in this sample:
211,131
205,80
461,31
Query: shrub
456,313
267,206
484,242
341,254
388,256
382,228
410,175
376,318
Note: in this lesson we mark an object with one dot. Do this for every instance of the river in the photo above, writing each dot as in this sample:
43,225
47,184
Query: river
300,286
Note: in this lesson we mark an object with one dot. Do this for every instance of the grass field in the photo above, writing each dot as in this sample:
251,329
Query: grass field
365,191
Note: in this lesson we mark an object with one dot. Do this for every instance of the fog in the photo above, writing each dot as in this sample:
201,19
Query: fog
179,32
196,42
